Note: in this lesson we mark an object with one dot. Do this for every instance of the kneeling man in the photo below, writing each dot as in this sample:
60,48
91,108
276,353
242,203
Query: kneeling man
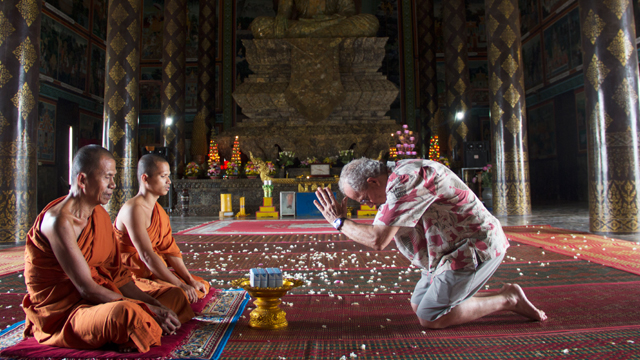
439,225
143,231
79,294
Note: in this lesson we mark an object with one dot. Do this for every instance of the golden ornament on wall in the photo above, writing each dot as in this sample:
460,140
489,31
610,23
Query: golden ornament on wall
492,25
169,135
29,10
118,43
621,47
5,75
512,96
115,133
26,54
593,26
6,28
117,72
618,7
597,72
119,14
626,97
496,113
508,36
510,66
506,8
514,125
132,119
133,59
24,101
116,103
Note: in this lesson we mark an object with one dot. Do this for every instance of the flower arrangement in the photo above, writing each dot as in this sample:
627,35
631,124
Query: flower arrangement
346,156
285,158
271,167
331,160
251,169
192,169
232,169
214,170
308,161
485,177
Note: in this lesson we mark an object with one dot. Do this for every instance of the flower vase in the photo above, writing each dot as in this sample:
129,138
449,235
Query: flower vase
487,197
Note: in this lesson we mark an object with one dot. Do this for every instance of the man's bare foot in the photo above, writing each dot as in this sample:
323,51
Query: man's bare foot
519,303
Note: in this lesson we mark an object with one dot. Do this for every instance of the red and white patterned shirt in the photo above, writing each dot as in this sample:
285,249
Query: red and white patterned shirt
444,226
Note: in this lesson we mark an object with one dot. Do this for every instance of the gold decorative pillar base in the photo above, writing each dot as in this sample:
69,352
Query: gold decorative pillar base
611,87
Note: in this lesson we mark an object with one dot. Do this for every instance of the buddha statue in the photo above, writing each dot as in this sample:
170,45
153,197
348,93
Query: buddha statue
315,19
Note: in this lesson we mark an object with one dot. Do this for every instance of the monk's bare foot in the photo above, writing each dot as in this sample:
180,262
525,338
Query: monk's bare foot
519,303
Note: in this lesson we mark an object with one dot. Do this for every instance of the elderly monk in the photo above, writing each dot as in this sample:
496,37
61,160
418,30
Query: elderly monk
79,294
315,19
143,231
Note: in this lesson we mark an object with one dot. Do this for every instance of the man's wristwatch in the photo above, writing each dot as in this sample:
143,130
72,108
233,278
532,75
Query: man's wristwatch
337,223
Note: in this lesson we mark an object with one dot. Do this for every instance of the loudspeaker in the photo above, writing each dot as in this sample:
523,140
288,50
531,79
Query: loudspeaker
476,154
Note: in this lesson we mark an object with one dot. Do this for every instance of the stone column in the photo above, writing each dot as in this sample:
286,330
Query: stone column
427,65
122,98
511,184
173,81
456,75
19,81
207,39
611,88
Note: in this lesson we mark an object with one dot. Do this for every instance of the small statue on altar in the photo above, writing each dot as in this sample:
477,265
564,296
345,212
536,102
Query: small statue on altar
263,169
315,19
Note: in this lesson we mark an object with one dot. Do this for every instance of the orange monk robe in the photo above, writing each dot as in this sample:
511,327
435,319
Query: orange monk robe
56,313
164,245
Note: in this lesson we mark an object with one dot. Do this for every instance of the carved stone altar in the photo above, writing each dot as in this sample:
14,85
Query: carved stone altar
315,97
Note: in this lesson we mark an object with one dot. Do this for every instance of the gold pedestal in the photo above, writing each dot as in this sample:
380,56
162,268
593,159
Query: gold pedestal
267,315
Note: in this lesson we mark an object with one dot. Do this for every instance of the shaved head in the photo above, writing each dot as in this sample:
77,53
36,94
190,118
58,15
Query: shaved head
149,164
87,160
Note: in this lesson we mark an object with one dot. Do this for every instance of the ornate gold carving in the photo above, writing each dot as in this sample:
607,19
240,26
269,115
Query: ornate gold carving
450,98
5,75
171,48
621,47
508,36
514,125
118,43
206,11
133,59
169,112
596,118
492,25
119,14
593,26
171,27
24,101
132,119
172,7
29,10
456,22
16,218
512,96
3,123
494,54
132,88
116,102
205,78
170,69
459,65
135,5
204,95
506,8
512,198
614,206
463,130
169,135
597,72
206,27
170,91
510,66
117,72
134,29
626,97
622,139
496,113
618,7
115,133
26,54
6,28
495,83
460,86
205,44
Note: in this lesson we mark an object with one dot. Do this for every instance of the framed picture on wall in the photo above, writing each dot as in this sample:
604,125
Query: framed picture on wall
532,61
562,48
542,131
529,15
90,128
287,203
581,118
46,148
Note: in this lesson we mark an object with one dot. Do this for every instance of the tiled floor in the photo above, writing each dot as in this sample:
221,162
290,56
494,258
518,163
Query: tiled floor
573,216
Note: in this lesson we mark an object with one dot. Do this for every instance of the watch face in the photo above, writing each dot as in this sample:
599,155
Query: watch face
336,223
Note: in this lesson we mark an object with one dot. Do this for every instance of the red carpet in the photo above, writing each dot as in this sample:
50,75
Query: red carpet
265,227
619,254
11,260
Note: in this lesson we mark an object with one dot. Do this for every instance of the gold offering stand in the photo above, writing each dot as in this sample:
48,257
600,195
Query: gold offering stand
267,315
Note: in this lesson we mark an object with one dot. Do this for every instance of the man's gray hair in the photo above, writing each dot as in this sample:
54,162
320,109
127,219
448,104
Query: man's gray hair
358,171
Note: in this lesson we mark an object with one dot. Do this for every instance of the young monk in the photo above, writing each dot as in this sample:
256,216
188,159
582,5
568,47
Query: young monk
79,294
143,231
